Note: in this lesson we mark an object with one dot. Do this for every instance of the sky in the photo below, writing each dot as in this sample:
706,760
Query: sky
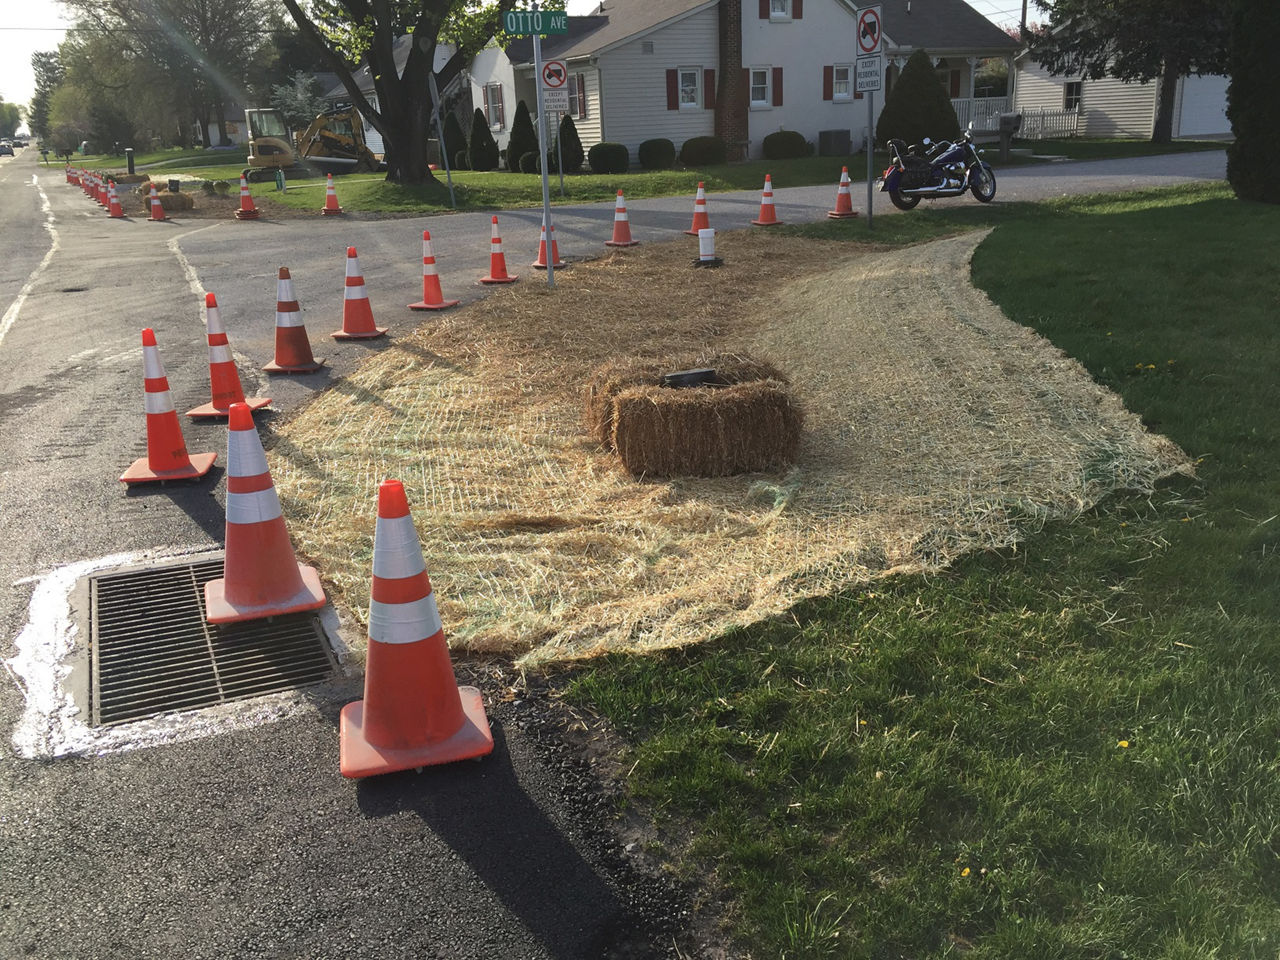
31,25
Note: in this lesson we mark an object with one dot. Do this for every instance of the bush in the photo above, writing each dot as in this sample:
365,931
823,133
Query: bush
571,146
702,151
609,157
1252,103
658,154
529,162
917,106
221,187
523,138
460,160
483,152
786,144
454,138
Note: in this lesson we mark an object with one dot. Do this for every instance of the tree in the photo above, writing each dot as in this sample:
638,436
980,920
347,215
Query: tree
1137,40
482,154
299,100
454,139
48,72
10,118
1253,101
917,106
349,31
523,138
569,146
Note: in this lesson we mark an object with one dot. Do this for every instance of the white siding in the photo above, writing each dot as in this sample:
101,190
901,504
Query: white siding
633,84
1036,89
492,66
824,36
1108,107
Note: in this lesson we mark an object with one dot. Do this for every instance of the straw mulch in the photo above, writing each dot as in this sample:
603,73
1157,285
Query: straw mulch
935,426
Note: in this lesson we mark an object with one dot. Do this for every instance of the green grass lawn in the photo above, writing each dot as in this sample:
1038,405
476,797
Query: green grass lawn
1067,751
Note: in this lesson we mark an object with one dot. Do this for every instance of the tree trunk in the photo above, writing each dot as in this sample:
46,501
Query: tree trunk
1162,132
220,110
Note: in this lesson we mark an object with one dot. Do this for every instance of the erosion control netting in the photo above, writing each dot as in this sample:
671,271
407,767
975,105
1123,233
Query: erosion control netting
933,426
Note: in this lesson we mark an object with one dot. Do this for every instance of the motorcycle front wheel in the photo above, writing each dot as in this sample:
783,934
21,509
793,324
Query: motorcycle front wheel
983,184
901,202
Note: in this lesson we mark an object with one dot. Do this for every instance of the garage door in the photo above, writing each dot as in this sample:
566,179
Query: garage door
1204,107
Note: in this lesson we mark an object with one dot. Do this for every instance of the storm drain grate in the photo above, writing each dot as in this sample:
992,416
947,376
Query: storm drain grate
153,652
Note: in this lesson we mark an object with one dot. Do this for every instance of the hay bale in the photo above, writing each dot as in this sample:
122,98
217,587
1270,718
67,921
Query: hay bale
174,201
616,376
706,431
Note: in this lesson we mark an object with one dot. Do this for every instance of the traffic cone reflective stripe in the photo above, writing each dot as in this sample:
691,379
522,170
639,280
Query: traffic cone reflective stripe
114,210
167,457
413,713
768,217
330,198
261,576
293,349
844,201
432,295
157,210
700,221
497,260
247,210
357,314
621,226
224,378
541,262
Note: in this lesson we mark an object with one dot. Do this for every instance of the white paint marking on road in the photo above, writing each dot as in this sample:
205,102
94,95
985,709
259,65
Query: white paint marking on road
11,315
188,271
53,725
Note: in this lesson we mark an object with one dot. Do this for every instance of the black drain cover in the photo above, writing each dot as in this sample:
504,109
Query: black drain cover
153,652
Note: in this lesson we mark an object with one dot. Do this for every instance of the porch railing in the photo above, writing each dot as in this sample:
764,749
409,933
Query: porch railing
983,111
1045,124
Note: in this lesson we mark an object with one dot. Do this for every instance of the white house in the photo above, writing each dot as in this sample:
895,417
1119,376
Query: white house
737,69
1074,105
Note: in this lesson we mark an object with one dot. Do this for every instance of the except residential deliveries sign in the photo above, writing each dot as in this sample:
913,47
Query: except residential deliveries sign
869,72
544,23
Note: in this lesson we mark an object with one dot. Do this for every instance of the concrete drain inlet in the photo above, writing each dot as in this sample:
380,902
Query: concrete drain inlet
152,651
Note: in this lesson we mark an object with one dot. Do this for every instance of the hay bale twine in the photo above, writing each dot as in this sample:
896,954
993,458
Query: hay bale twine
616,376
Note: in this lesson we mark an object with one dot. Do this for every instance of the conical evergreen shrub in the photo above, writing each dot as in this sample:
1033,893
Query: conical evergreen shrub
1253,102
454,138
917,106
571,147
523,137
482,154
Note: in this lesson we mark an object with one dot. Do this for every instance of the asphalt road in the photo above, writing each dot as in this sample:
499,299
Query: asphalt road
246,841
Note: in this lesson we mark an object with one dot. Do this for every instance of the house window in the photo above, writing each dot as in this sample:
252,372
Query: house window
1072,91
842,82
493,105
760,87
690,88
578,96
779,9
646,46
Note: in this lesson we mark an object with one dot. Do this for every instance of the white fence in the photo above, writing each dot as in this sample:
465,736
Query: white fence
1045,124
983,111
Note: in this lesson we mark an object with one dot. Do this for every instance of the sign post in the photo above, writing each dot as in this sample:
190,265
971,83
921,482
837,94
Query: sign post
444,147
870,70
551,75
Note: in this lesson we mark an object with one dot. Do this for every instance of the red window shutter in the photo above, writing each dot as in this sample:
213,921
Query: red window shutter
486,106
828,83
582,96
746,82
764,9
777,86
673,90
955,84
797,9
857,95
502,117
709,89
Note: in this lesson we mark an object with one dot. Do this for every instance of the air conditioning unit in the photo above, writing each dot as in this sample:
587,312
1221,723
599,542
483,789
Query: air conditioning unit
834,143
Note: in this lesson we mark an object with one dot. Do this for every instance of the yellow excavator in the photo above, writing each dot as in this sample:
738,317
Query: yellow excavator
334,142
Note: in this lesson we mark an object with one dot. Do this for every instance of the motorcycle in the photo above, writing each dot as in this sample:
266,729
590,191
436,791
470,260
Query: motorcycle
946,170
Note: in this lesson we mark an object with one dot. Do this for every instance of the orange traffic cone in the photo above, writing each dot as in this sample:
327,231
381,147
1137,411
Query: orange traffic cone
101,195
413,713
432,296
293,349
497,260
247,210
261,576
330,199
767,216
621,226
157,210
844,201
224,379
114,210
167,457
541,262
700,221
357,315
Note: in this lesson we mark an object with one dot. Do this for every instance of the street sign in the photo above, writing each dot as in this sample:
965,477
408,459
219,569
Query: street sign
869,31
869,72
544,23
556,101
554,75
